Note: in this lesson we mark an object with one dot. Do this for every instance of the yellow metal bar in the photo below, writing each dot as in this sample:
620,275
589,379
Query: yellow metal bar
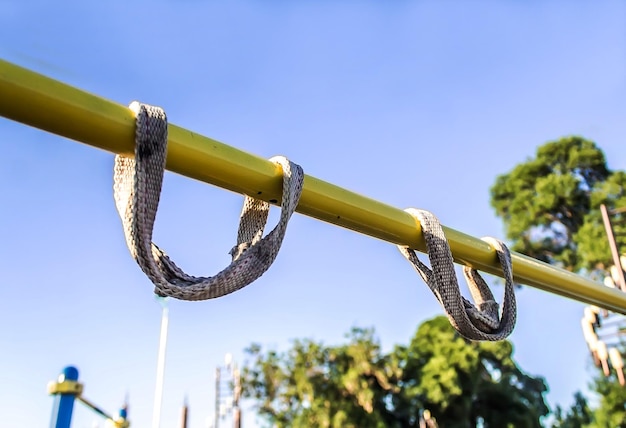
55,107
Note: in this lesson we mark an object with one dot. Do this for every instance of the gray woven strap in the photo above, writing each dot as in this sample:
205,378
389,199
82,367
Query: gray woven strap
480,322
137,189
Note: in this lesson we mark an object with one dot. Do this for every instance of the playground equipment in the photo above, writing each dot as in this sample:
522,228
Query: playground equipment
606,355
603,336
227,393
47,104
67,390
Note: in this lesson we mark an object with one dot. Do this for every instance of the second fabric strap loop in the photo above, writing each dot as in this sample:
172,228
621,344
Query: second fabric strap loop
475,323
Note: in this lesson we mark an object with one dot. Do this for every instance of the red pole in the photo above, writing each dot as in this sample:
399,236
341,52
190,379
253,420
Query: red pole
613,245
184,415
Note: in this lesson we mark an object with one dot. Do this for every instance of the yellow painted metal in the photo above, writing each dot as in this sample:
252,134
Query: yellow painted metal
47,104
65,387
118,423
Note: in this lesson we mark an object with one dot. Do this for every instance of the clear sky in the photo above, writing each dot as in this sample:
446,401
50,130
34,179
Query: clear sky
414,103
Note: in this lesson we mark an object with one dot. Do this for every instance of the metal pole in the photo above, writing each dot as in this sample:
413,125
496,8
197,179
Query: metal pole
123,415
237,417
64,401
184,415
158,389
217,398
50,105
613,245
120,422
95,408
236,396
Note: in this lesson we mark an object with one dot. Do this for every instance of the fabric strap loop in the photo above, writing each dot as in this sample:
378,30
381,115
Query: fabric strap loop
137,189
480,322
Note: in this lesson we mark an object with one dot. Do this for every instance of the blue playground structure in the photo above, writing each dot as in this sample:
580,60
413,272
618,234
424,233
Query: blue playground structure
66,390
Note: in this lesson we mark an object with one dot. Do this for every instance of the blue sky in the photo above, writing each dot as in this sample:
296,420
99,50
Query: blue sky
414,103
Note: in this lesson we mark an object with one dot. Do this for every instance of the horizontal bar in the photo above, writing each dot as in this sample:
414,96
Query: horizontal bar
95,408
50,105
617,210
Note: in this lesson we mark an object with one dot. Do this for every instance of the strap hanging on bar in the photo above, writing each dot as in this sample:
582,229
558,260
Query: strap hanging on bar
474,323
42,102
137,189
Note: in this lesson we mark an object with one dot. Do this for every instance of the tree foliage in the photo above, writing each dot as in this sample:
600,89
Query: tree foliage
550,204
461,383
611,409
315,385
578,416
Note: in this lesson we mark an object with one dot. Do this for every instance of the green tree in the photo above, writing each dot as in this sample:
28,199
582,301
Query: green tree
312,385
550,204
578,416
462,383
611,410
